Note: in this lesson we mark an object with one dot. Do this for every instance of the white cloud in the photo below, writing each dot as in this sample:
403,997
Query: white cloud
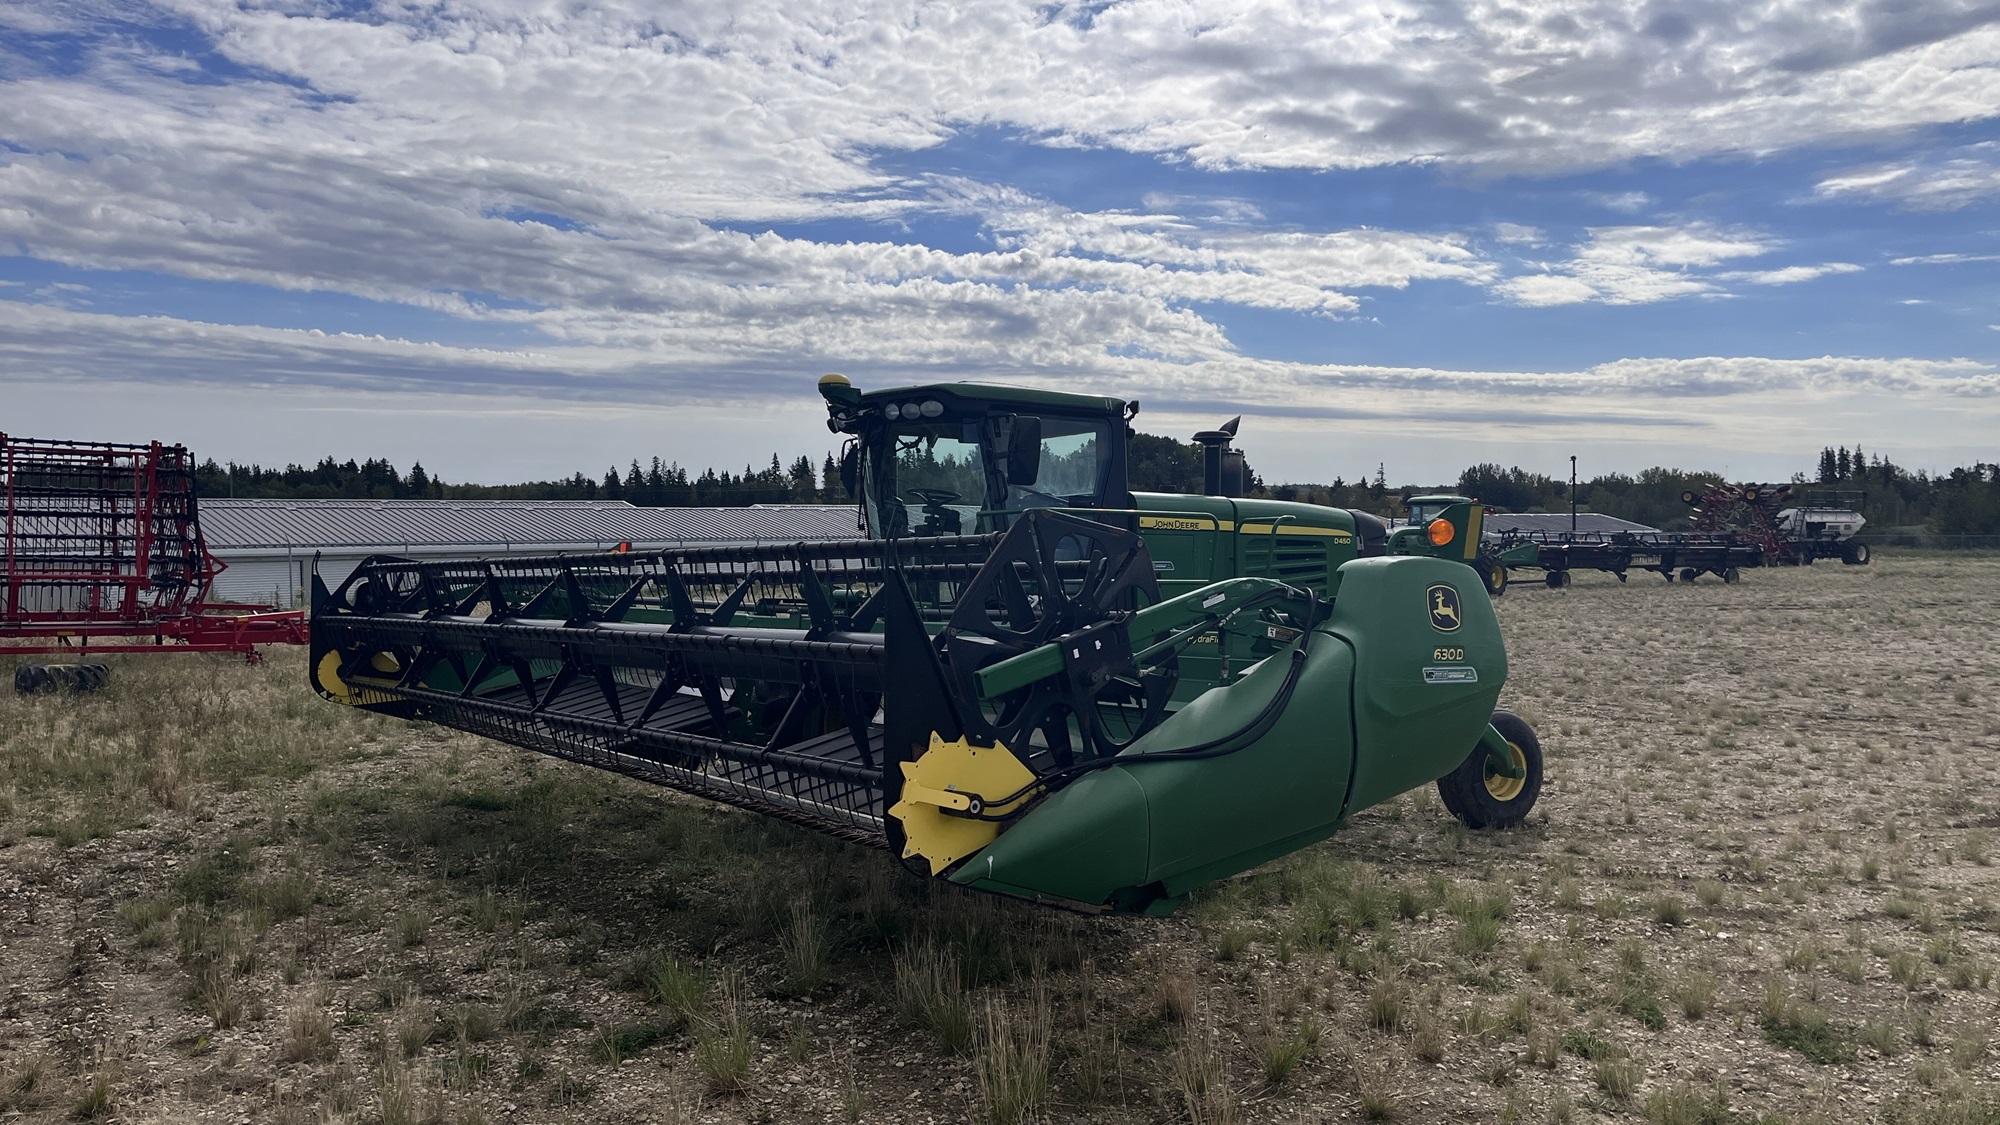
1790,275
1934,183
380,156
1630,202
575,403
100,347
1538,290
1944,259
1640,265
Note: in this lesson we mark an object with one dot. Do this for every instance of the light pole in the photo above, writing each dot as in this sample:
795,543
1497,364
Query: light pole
1572,496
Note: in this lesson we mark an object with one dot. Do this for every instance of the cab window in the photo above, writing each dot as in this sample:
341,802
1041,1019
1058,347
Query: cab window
1070,471
935,486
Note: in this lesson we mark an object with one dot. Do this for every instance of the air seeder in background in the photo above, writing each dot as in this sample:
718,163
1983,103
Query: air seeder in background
104,554
1026,678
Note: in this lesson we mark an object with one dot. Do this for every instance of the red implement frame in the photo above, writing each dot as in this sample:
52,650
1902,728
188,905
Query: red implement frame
103,541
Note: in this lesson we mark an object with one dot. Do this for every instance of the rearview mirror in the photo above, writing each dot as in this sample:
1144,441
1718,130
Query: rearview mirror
850,469
1024,451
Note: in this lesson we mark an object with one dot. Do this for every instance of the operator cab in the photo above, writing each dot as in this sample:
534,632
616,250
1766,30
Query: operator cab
1424,509
965,458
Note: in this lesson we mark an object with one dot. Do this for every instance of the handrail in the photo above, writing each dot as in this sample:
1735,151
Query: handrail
1213,521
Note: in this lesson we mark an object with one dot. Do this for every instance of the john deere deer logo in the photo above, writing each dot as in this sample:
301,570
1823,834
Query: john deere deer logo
1443,601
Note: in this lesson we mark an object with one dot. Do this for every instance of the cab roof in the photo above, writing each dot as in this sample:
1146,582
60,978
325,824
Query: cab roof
999,392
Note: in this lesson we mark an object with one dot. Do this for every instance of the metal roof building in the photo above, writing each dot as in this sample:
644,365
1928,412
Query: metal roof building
1556,524
270,545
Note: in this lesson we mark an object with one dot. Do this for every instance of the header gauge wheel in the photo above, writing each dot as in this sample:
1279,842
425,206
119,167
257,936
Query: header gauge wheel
1482,797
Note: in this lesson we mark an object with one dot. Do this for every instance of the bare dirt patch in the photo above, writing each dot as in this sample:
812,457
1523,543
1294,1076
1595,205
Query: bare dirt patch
1760,885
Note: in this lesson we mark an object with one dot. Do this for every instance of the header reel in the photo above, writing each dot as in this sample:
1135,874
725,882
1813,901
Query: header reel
792,680
1058,578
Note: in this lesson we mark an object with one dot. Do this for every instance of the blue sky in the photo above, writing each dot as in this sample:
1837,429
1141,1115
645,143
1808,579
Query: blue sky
517,239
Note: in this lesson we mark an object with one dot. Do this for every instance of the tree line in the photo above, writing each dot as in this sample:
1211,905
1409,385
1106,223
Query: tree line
1963,501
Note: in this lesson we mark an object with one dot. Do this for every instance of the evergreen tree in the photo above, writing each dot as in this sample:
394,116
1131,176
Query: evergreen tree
831,490
802,490
656,485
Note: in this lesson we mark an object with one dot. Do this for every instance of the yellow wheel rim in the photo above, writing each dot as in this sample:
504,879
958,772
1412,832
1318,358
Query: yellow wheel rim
1501,787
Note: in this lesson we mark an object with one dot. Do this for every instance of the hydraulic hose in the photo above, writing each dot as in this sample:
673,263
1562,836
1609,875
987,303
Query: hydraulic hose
1241,738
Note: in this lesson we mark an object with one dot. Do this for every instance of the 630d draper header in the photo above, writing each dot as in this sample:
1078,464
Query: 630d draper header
1025,678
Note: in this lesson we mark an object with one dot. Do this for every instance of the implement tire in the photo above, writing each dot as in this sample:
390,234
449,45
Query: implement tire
1854,553
1482,799
1493,573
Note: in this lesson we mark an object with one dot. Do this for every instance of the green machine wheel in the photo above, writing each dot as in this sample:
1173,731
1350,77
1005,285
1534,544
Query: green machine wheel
1482,796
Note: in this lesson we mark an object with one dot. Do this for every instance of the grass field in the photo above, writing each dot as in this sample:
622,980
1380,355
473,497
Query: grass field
1760,886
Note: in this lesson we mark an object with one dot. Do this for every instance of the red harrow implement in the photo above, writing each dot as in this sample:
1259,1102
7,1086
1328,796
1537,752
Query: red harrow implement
104,554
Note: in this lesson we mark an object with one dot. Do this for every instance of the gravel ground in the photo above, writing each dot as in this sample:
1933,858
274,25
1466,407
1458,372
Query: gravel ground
1759,886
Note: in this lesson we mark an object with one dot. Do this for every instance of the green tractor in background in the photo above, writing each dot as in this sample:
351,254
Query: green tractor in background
1450,527
1023,677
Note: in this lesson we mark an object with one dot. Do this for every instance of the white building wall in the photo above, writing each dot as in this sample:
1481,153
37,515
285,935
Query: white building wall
257,581
271,577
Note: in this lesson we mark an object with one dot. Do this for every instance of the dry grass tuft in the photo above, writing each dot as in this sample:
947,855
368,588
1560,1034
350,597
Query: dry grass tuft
1012,1059
803,946
722,1044
309,1030
1199,1075
931,994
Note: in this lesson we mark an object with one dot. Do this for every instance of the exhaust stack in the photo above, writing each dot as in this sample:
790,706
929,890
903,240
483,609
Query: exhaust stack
1221,466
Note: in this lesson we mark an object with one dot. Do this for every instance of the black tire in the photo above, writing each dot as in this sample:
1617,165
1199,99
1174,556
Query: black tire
1480,801
30,678
1854,553
1557,580
1730,575
1494,573
1689,574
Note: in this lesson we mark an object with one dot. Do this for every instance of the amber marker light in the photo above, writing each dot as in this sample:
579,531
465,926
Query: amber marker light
1441,532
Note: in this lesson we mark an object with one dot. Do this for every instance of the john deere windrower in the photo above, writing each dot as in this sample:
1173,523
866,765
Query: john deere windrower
1025,678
